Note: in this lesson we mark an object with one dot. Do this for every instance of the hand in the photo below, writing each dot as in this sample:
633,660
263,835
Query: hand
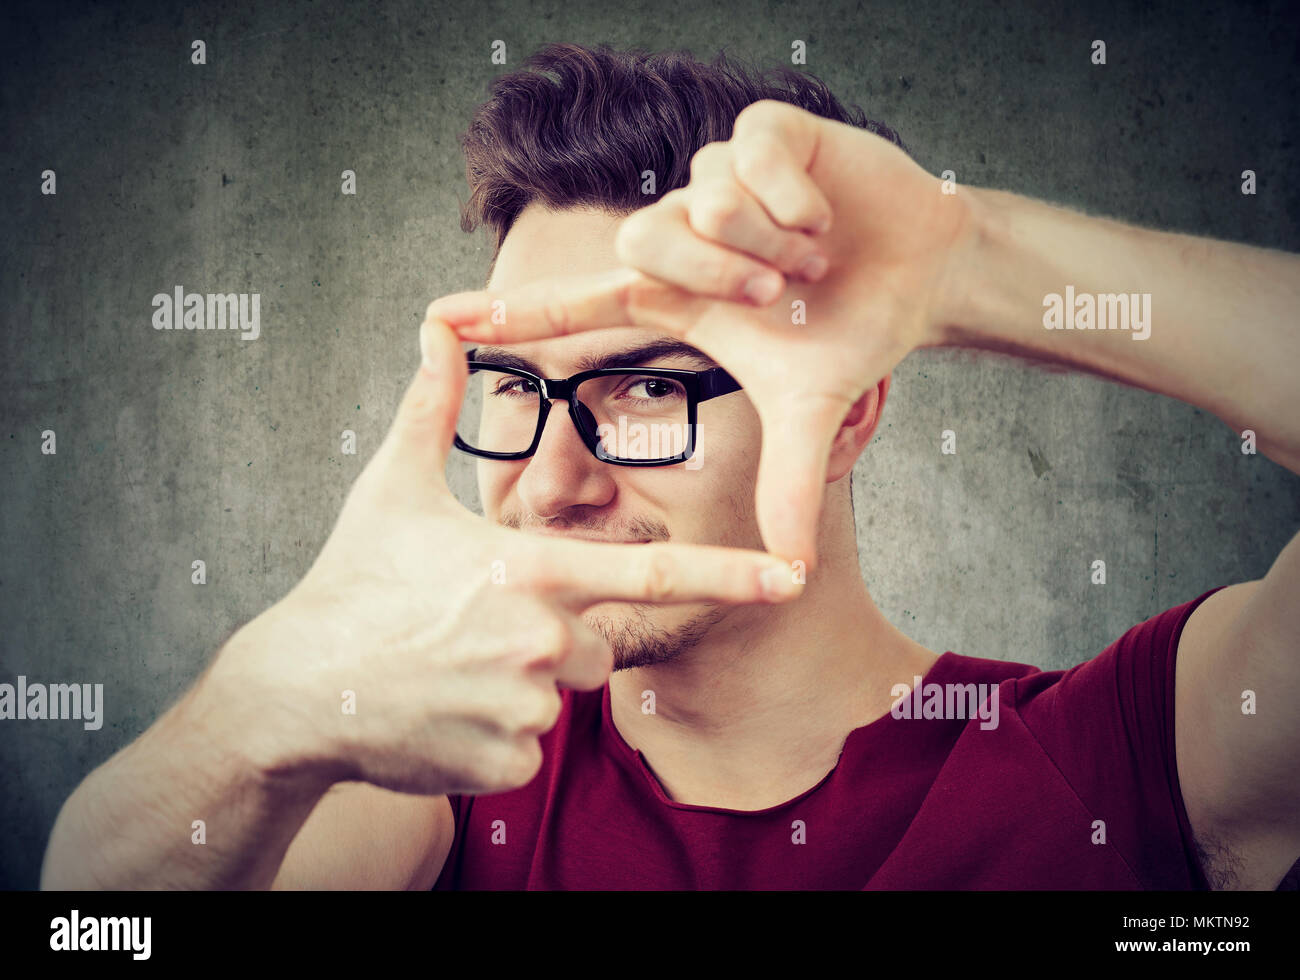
751,210
452,632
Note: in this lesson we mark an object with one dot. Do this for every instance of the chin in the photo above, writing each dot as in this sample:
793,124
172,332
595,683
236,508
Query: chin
643,634
643,616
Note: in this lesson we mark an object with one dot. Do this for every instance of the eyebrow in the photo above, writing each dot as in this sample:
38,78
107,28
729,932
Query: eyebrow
635,356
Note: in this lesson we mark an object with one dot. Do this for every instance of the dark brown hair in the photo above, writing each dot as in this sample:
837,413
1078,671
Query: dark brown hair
577,126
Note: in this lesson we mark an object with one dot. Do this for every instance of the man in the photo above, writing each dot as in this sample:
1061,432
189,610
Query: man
781,744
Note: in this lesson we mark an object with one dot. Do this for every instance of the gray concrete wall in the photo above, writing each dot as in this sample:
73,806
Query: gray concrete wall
183,445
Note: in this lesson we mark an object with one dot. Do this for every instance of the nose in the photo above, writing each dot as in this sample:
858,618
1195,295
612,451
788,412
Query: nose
563,473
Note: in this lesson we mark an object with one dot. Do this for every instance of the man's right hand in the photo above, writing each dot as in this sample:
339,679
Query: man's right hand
452,633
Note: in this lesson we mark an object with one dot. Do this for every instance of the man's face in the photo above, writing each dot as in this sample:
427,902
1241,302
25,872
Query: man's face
564,490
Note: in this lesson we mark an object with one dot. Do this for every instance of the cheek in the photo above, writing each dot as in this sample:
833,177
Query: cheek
723,485
709,500
726,458
494,482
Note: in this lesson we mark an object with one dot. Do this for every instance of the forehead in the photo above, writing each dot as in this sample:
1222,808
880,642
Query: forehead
543,244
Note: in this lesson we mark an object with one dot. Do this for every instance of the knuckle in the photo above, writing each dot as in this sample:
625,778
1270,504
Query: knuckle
556,313
625,297
519,760
703,158
552,639
539,575
791,251
668,202
753,166
418,409
659,574
625,243
634,237
732,277
428,310
715,209
716,275
761,115
643,301
537,713
489,765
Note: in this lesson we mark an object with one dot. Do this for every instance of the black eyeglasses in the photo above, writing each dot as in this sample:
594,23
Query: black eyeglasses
625,416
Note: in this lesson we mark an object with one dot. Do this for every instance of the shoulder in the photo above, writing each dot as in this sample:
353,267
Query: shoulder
1108,725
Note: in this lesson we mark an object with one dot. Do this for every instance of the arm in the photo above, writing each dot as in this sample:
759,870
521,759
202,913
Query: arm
1225,318
361,838
272,820
129,825
1224,336
911,266
381,667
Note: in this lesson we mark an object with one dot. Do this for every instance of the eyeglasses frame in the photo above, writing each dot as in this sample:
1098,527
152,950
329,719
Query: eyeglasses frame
700,386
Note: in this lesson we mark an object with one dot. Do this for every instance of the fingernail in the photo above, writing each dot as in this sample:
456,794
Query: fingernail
778,582
473,332
457,310
763,288
813,268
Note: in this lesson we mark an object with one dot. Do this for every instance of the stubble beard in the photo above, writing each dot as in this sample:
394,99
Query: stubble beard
637,642
634,640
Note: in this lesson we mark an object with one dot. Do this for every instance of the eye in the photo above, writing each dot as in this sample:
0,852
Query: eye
509,385
652,389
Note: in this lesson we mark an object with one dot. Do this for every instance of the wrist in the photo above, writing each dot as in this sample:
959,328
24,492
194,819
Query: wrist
128,825
271,716
967,296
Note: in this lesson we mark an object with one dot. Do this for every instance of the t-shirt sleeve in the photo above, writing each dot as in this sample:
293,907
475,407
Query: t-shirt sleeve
1108,726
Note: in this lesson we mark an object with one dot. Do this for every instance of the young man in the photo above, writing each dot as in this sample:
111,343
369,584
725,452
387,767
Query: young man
736,744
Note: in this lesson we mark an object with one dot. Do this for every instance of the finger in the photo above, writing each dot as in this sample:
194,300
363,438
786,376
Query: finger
580,574
560,306
589,661
715,240
413,456
773,146
727,213
791,480
561,648
720,208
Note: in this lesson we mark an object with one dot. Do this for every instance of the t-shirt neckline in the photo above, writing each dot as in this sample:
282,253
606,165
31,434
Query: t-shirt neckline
610,732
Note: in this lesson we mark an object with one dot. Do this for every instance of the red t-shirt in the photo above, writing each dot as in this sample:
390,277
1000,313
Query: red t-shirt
911,804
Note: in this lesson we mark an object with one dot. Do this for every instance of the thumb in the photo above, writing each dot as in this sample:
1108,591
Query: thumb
792,476
413,456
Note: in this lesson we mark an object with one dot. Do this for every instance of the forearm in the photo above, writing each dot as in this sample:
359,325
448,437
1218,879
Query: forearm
131,823
1224,323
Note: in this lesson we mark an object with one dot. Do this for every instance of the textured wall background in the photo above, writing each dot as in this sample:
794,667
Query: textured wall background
180,445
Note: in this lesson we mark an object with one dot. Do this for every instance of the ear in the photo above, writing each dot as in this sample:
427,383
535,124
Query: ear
856,430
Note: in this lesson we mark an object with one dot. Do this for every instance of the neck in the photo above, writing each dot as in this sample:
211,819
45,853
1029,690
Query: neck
757,712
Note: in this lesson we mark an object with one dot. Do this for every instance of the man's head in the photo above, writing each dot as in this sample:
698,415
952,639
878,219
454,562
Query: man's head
563,149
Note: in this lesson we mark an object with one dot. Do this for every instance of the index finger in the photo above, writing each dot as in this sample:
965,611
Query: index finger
556,307
579,574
